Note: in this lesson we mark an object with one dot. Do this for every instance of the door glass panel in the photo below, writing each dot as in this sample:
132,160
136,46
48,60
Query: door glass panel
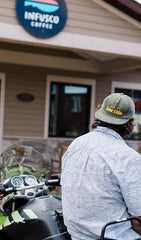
69,109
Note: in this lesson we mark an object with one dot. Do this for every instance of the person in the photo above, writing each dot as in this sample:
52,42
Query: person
101,175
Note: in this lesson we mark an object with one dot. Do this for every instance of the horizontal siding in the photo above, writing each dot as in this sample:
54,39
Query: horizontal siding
109,35
8,3
7,12
101,27
100,19
103,88
24,118
84,17
96,21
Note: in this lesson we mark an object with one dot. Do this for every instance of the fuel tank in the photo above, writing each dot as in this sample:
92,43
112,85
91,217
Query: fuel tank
40,219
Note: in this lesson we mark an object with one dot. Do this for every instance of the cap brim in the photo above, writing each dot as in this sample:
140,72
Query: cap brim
110,118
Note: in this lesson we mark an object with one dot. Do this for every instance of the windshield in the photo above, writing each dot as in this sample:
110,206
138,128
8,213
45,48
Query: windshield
24,157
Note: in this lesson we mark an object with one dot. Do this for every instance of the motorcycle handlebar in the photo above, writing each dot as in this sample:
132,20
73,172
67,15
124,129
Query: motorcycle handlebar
4,190
53,181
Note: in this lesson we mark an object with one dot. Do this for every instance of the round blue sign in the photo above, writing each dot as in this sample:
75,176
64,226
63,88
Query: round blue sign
42,18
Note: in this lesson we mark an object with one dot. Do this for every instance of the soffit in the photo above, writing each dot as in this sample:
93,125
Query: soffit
66,60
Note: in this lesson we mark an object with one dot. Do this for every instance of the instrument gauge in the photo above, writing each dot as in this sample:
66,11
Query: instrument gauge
31,180
16,181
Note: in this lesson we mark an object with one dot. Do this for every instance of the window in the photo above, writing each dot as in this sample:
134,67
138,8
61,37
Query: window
134,91
69,107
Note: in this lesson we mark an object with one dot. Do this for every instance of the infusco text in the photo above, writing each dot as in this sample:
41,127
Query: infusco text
41,17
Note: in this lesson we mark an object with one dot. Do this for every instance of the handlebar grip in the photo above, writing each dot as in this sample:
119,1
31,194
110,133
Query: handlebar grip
54,180
2,189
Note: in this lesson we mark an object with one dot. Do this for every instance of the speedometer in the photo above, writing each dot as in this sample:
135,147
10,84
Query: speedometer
31,180
16,181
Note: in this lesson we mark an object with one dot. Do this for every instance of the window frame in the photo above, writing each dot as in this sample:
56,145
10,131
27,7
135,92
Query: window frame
127,85
73,80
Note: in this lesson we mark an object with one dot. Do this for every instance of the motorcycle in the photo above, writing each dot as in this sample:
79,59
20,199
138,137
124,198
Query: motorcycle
31,211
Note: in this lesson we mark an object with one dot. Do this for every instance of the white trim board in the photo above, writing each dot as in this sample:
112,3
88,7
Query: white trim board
17,34
126,85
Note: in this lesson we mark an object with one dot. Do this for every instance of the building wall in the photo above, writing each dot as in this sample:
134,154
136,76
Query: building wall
24,118
84,17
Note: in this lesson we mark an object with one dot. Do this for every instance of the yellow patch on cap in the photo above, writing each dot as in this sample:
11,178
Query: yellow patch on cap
113,110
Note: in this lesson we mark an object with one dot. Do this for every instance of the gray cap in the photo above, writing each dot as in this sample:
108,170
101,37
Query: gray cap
117,108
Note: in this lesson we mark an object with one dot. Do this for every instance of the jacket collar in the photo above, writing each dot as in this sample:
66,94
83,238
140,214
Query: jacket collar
108,131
